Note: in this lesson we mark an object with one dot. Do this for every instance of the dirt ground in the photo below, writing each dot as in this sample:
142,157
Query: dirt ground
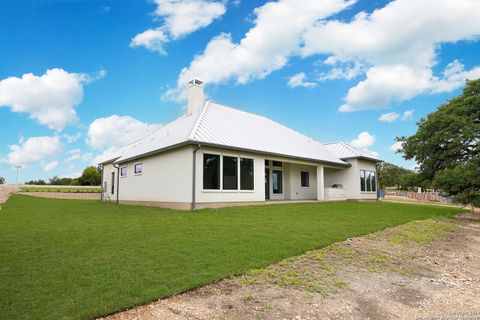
6,190
422,270
64,195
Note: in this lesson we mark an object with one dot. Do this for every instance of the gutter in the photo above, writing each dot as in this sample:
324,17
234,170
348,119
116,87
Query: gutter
194,176
116,166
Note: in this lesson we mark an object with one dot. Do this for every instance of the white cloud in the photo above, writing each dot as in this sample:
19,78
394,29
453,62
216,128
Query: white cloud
72,139
33,150
299,80
109,134
363,141
50,98
397,146
50,166
347,72
407,115
152,39
117,131
277,35
87,157
400,53
74,154
393,116
389,117
180,18
385,85
454,77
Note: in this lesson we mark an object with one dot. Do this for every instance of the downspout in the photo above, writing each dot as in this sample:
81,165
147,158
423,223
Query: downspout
116,166
194,175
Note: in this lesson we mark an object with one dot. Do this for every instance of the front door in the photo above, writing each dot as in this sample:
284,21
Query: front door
267,184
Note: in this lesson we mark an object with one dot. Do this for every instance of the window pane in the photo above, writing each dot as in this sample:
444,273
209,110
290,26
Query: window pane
369,180
246,174
267,163
277,181
362,180
123,171
138,168
113,183
305,179
277,163
230,169
211,171
374,182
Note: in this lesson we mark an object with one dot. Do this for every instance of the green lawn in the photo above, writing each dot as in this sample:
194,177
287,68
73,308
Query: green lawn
67,259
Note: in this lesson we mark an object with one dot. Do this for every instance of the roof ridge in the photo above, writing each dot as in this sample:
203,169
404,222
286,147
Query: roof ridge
198,121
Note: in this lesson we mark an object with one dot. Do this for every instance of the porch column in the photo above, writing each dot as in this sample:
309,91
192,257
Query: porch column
320,184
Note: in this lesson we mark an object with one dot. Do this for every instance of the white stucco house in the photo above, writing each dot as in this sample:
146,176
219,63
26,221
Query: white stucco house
217,156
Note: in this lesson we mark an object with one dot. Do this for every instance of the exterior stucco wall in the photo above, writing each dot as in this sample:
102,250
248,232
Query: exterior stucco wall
107,182
297,192
350,178
165,177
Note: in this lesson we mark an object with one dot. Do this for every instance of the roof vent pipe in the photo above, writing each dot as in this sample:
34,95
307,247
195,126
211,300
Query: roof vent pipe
195,96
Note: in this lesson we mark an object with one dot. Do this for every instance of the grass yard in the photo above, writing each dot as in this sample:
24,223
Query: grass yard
69,259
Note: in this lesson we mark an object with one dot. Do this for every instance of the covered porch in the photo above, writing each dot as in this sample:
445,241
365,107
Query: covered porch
298,181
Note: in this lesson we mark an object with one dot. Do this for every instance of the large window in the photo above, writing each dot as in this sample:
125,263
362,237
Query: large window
246,174
277,181
211,171
230,170
305,179
368,182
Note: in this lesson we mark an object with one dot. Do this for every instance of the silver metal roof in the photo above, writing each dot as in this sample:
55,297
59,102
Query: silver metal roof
344,151
222,126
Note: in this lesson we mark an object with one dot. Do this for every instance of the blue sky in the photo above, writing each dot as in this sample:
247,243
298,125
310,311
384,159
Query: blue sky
80,78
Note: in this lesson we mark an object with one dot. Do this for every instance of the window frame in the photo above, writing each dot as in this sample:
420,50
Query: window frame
113,183
135,168
236,162
369,184
276,171
123,174
307,185
219,171
240,173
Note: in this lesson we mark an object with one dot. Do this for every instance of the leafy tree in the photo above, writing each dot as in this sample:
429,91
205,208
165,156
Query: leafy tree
390,175
463,181
57,181
2,180
446,145
447,137
413,180
90,177
36,182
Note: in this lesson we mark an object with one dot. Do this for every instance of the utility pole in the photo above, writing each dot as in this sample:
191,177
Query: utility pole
18,168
